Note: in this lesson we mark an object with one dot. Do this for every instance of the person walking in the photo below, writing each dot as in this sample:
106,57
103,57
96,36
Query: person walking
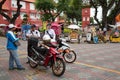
33,36
24,28
12,48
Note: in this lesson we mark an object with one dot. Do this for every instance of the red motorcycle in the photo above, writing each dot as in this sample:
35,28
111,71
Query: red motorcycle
52,59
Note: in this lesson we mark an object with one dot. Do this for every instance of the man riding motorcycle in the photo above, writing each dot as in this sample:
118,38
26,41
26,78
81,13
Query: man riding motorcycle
46,55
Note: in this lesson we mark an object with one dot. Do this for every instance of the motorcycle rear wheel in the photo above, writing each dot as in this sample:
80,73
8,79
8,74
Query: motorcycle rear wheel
58,68
31,63
69,57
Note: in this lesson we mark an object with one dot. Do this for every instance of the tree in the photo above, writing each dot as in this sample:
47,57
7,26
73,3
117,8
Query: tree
51,9
91,20
74,10
114,12
46,7
95,5
25,19
9,18
106,5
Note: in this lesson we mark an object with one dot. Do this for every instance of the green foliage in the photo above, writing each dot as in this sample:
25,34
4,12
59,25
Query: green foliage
25,15
91,20
72,8
45,7
46,16
107,6
44,4
41,29
25,19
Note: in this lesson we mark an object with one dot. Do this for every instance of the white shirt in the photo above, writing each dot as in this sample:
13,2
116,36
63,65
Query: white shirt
34,33
51,33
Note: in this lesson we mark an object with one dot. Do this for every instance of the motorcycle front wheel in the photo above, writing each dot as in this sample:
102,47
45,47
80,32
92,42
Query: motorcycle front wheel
58,67
69,57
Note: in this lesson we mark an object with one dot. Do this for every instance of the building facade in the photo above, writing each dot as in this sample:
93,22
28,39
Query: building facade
28,8
85,17
86,14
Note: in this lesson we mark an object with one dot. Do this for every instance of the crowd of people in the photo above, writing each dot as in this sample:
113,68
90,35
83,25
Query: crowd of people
30,33
94,35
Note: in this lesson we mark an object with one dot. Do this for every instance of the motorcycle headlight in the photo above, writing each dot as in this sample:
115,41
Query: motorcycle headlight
60,50
67,50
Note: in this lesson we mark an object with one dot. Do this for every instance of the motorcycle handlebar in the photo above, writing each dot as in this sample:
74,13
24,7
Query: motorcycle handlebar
45,46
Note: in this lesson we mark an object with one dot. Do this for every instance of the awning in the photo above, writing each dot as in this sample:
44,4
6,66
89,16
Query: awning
3,25
73,26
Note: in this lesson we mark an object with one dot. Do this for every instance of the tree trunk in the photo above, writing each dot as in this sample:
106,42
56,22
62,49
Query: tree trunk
104,17
95,17
114,13
9,19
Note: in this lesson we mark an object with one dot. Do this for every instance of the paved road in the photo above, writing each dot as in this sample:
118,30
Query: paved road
94,62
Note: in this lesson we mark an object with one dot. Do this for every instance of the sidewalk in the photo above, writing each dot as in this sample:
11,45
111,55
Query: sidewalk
94,62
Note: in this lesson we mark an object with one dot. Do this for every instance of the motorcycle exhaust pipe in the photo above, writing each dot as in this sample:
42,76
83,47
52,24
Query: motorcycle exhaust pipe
29,58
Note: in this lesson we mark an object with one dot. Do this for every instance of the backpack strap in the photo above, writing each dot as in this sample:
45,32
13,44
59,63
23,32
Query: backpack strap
49,35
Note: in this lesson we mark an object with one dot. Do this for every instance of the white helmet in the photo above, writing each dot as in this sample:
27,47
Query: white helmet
53,40
46,37
11,26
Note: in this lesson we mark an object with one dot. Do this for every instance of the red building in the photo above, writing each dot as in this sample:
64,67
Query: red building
28,8
85,17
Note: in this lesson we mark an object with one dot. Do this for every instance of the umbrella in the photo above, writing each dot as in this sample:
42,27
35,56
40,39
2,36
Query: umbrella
3,25
113,26
73,26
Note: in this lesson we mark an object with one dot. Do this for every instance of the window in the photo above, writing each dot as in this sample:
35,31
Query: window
32,6
37,16
86,2
14,3
83,18
32,16
88,19
13,12
23,5
86,11
22,15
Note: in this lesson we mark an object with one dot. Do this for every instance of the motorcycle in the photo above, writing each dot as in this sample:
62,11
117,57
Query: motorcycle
68,54
52,59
